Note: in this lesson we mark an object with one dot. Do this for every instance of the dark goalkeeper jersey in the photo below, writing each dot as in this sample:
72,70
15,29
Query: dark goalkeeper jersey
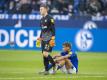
47,28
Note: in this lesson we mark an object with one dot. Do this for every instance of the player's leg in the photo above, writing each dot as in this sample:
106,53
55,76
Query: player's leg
66,68
68,64
59,65
51,60
70,67
50,65
46,61
64,65
46,49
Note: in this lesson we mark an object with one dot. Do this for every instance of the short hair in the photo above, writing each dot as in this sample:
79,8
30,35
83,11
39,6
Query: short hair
67,44
44,5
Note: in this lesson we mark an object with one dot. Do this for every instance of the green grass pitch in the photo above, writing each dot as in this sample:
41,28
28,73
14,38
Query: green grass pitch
25,65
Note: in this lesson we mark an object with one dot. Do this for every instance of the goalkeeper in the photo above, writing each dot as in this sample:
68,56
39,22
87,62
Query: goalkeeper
47,37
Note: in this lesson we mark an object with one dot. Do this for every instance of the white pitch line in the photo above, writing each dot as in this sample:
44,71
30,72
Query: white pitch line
59,77
84,73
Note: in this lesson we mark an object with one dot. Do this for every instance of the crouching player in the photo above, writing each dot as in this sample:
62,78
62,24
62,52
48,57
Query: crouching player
67,60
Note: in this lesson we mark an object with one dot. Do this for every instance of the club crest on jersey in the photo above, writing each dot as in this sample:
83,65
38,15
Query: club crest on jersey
45,20
52,20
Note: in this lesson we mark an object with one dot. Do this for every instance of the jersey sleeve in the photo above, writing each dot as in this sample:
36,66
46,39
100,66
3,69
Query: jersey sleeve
52,27
41,29
63,53
41,34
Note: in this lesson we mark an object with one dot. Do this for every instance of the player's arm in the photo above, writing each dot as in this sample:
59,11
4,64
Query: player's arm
67,56
63,57
40,37
57,55
52,29
38,41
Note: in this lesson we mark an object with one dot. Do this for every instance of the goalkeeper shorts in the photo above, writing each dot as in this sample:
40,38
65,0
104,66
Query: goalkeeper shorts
46,46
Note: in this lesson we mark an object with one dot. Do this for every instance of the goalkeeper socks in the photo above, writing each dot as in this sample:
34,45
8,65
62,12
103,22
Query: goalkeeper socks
46,62
51,60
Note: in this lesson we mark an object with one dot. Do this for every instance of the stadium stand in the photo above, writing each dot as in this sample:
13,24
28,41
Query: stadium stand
67,7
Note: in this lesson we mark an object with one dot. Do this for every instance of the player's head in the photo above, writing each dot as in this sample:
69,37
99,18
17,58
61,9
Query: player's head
66,46
43,9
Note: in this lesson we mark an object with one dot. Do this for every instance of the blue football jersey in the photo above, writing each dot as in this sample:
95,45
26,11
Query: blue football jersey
73,58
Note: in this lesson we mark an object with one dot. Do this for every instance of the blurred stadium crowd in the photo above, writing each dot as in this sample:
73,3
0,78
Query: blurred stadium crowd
65,7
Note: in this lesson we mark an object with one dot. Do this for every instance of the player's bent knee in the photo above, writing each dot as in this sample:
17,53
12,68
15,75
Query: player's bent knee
67,61
62,62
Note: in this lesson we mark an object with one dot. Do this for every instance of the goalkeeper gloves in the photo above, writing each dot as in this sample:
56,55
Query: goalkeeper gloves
38,42
52,41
